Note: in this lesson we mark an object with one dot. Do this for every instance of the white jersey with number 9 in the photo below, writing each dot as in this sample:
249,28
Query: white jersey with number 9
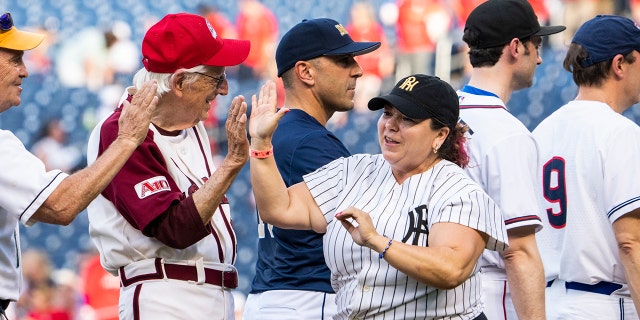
588,156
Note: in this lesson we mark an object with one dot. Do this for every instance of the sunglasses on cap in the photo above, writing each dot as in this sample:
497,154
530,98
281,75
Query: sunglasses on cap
6,22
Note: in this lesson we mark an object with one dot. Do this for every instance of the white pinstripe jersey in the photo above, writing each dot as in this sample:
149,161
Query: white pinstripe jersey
24,186
503,157
367,286
588,159
174,167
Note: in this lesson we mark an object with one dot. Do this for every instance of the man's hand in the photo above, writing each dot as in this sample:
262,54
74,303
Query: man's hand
136,116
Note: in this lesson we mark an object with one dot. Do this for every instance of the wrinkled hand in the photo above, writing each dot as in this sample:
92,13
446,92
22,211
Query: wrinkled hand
236,129
264,118
136,116
364,232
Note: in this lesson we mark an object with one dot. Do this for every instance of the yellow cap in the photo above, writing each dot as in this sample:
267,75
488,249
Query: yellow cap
15,39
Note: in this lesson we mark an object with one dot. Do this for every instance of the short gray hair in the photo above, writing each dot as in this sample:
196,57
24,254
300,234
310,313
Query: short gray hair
164,79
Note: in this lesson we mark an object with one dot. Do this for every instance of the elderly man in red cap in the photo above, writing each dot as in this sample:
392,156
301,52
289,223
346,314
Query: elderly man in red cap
163,224
28,192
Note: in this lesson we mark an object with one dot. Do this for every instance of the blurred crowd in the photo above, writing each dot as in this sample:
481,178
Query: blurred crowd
88,293
418,36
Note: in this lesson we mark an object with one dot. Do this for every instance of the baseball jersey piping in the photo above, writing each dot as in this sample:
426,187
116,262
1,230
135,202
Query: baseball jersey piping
622,205
206,163
220,250
523,218
213,230
231,235
483,107
39,193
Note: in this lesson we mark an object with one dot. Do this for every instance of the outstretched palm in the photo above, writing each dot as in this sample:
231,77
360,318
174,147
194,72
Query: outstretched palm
264,118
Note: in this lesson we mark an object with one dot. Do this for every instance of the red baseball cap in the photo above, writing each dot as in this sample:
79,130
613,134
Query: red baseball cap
185,40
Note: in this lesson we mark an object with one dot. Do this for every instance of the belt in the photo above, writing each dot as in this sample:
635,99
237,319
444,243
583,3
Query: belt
4,304
602,287
225,279
481,317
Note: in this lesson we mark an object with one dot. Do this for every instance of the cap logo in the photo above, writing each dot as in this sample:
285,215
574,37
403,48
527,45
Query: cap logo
409,83
342,30
211,29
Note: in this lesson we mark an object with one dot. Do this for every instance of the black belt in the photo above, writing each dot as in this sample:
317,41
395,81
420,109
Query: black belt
4,304
481,317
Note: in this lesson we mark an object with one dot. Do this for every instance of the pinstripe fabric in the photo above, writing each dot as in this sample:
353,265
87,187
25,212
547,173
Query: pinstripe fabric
369,287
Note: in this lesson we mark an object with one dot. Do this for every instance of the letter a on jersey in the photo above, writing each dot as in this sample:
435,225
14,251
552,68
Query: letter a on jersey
152,186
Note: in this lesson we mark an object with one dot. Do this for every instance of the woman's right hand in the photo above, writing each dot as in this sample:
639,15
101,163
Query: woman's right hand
264,117
362,231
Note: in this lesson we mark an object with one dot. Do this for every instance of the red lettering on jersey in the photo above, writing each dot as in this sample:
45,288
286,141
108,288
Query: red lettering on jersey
152,186
146,187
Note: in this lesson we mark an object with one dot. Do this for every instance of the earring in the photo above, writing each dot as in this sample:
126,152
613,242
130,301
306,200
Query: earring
435,150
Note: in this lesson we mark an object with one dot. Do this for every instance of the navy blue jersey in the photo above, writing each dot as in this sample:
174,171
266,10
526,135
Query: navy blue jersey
293,259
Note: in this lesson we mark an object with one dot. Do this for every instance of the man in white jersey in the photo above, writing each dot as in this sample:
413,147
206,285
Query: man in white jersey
504,38
163,225
29,193
588,151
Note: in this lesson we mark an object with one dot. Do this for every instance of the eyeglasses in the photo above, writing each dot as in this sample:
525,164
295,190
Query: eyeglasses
220,80
6,22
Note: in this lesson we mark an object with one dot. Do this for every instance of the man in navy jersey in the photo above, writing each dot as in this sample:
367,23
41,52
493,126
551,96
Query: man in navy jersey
315,60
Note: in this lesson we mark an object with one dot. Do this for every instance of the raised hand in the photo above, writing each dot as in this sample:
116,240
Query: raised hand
264,117
135,117
236,129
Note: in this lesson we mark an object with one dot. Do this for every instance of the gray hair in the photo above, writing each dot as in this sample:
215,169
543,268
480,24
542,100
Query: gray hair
164,79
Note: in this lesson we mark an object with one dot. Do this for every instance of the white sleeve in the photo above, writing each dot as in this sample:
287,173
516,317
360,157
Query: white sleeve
24,182
512,180
621,186
462,201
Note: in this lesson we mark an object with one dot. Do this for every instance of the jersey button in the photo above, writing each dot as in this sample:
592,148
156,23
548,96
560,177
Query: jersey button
366,288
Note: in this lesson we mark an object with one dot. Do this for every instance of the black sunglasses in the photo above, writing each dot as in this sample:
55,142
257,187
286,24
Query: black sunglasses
6,22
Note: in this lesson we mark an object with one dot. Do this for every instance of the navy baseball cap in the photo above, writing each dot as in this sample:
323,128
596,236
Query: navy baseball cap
317,37
605,36
496,22
421,96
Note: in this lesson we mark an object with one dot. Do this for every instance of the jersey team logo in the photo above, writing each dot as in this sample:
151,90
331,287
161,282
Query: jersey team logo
152,186
418,231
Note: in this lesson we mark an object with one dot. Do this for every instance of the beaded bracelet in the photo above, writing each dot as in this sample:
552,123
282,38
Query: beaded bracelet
381,255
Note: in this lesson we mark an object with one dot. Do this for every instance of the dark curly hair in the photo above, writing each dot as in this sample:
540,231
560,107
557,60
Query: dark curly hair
453,149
